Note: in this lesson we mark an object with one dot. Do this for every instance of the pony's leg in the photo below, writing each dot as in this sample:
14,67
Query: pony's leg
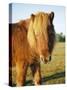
35,67
21,69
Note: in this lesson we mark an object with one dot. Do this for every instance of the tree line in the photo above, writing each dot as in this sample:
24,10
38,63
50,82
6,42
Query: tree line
60,37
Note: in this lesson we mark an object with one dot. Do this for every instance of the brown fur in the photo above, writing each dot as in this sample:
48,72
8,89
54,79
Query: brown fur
31,40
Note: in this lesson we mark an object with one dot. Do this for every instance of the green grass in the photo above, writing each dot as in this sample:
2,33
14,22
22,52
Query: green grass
52,72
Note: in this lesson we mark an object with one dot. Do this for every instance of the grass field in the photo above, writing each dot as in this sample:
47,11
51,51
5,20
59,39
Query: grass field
52,72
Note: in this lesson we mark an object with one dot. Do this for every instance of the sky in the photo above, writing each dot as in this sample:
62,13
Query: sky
20,11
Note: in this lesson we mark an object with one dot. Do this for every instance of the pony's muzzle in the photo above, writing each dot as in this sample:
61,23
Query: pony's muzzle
45,60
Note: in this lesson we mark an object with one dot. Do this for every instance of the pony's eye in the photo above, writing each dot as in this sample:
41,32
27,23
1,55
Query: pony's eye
48,27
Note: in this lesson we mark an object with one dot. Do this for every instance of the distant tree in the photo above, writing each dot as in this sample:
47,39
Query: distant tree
60,37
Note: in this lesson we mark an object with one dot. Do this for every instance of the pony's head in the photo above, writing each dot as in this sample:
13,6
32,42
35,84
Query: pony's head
41,35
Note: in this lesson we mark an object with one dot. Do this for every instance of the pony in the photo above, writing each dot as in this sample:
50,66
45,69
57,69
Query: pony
30,41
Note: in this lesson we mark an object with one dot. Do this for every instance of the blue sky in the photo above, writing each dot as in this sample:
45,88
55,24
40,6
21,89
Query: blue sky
22,11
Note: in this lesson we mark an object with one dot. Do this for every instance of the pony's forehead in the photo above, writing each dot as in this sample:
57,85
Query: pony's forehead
42,13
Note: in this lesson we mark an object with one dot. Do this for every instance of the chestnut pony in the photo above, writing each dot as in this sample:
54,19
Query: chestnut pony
30,41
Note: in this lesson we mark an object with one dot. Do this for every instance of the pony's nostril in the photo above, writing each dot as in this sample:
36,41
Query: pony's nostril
41,58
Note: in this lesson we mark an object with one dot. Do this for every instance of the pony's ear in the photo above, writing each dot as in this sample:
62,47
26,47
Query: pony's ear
32,16
51,16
